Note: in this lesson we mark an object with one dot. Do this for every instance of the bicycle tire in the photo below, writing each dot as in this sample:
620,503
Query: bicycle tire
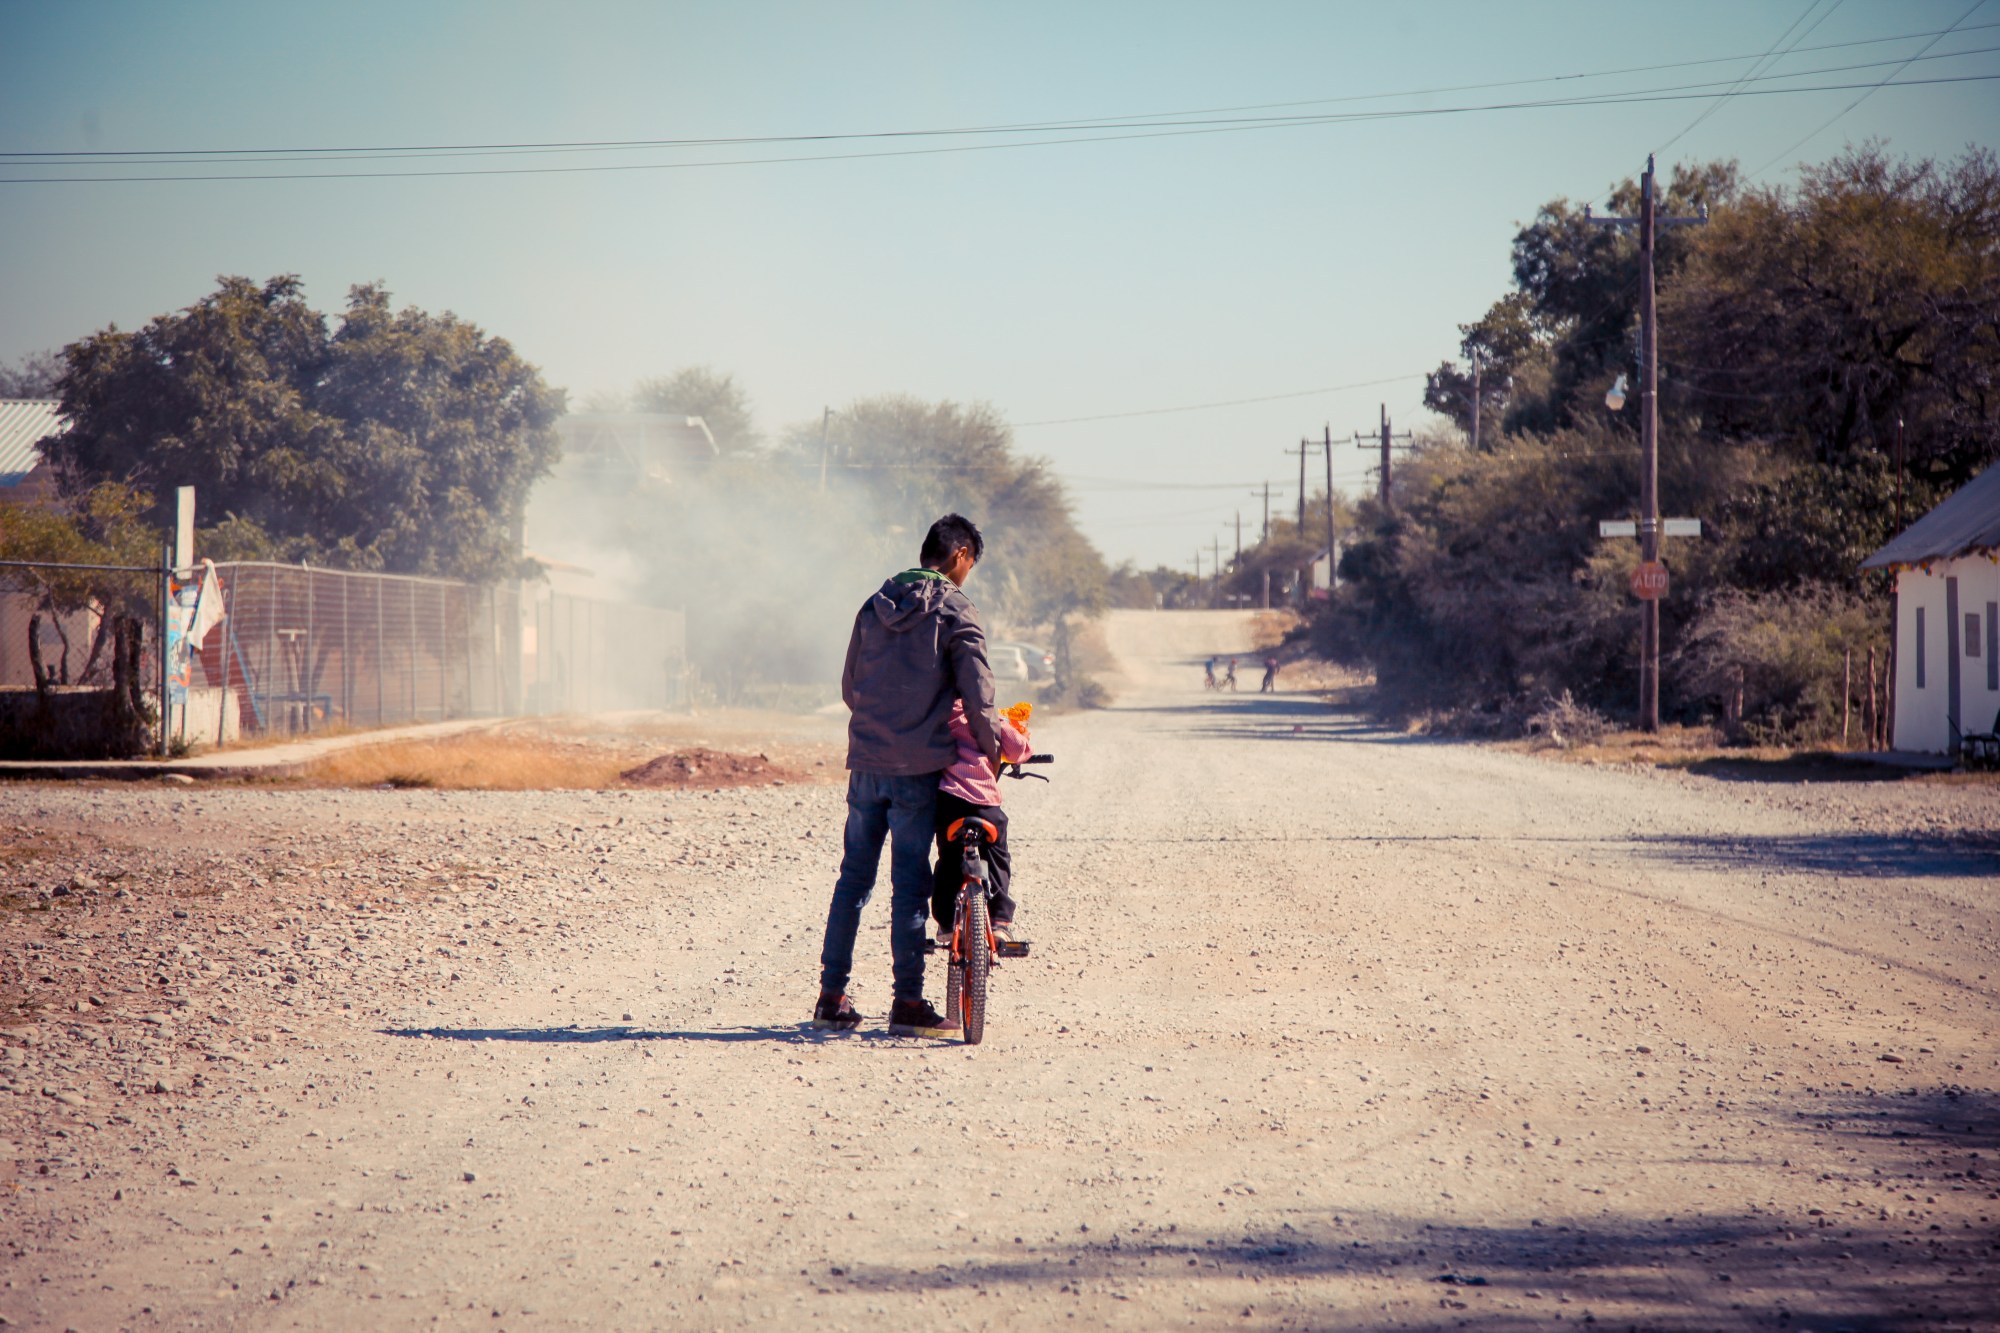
953,974
978,959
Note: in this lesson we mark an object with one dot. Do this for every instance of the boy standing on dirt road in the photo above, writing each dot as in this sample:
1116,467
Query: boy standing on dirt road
917,648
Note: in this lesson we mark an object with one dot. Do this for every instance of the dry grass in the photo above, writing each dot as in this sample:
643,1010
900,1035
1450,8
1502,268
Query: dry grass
480,761
1700,750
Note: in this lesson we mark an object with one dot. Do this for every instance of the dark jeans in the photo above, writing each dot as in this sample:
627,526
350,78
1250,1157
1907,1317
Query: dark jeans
901,809
951,860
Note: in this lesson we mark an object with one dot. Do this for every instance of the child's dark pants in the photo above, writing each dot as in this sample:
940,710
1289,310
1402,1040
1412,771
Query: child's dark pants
951,860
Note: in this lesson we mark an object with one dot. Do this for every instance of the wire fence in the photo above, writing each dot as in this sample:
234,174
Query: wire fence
299,650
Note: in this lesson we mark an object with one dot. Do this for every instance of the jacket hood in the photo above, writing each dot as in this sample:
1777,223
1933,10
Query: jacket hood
908,598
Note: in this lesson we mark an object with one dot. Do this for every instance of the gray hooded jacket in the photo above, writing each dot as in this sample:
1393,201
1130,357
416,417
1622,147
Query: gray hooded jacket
917,647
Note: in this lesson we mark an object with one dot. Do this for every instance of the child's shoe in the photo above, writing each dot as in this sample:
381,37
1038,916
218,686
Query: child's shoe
916,1018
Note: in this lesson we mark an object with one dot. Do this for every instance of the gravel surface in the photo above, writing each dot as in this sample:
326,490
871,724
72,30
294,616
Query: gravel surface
1323,1027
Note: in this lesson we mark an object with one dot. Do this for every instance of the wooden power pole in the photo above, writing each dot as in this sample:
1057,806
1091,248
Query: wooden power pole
1386,440
1648,223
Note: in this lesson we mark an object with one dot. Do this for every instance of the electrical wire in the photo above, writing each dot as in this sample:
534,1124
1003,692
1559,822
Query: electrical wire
1866,95
1189,129
1763,62
75,157
1203,407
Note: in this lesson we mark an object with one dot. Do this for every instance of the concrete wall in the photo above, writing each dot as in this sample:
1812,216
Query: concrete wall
1956,603
203,720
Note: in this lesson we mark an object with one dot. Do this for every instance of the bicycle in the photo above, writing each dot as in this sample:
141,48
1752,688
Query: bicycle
974,952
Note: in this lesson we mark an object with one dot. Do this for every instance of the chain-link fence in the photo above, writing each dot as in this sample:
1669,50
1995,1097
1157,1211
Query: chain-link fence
300,650
303,648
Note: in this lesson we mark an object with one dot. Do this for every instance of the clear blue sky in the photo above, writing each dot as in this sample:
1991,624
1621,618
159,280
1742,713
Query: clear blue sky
1052,281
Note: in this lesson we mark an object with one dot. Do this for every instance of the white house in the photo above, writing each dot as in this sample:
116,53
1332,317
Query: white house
1947,568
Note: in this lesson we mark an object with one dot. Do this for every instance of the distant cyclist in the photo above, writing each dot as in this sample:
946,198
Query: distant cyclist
1229,677
1208,675
1270,685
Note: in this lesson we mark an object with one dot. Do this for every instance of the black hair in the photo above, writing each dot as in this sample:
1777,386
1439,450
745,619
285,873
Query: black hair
947,535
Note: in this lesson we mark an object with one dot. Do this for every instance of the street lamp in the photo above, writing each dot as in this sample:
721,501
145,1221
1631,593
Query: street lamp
1614,398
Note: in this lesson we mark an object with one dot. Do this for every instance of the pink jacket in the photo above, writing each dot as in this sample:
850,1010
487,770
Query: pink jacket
970,778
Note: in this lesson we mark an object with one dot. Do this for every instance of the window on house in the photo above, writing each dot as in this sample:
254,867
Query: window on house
1993,645
1972,634
1920,647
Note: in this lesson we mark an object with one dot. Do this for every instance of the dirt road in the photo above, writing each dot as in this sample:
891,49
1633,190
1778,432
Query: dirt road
1324,1027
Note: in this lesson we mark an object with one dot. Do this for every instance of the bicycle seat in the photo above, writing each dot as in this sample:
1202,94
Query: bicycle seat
951,834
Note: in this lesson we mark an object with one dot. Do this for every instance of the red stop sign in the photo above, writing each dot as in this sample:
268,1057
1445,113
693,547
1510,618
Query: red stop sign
1649,581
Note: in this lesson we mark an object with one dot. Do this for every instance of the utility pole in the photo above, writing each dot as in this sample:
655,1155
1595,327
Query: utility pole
1332,561
1239,536
1475,399
1267,511
1649,223
1305,574
1305,446
824,417
1386,440
1215,571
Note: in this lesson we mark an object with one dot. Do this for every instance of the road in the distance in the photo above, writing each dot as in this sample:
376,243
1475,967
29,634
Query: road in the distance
1324,1027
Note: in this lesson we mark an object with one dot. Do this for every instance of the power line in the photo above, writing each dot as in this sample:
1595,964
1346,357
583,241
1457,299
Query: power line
73,157
1872,90
1203,407
1633,98
1762,63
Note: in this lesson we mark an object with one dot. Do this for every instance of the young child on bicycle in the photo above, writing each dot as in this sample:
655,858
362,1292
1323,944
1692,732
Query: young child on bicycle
970,789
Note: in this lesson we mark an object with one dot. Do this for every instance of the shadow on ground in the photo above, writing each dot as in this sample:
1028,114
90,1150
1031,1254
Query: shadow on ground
796,1033
1803,768
1677,1274
1952,853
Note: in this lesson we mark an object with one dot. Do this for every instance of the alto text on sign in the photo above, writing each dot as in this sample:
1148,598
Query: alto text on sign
1649,581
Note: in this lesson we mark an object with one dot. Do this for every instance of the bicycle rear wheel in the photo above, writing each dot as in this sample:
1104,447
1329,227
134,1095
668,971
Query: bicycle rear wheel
978,960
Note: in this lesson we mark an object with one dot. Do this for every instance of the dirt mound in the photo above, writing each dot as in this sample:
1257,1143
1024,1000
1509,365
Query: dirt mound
703,767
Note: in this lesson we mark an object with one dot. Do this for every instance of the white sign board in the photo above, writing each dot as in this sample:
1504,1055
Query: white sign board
1669,527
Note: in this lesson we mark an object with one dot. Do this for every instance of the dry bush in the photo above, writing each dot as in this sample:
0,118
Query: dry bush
484,761
1774,664
1563,722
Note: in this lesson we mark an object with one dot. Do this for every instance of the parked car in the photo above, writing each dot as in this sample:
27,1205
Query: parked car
1040,662
1008,661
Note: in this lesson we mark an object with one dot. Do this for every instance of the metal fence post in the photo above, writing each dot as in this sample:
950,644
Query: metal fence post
346,653
412,590
166,597
306,656
381,652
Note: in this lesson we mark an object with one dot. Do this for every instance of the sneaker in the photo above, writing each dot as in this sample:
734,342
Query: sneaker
1003,932
835,1011
916,1018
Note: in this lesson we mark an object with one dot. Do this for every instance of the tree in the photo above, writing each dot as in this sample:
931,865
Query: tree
697,391
33,377
401,441
105,525
1818,319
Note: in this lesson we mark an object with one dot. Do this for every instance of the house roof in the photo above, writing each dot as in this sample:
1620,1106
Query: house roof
23,421
1967,521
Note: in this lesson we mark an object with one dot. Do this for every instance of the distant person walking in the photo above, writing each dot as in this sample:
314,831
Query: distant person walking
1270,685
1229,676
917,650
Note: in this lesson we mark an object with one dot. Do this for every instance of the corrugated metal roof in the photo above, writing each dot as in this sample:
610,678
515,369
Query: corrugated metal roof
1968,521
22,422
